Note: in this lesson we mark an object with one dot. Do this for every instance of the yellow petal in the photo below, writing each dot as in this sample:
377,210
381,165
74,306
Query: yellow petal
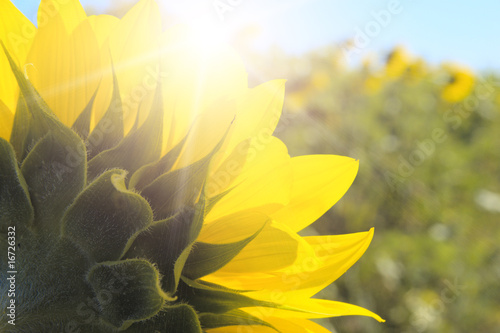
17,33
313,308
233,227
253,114
296,325
67,75
310,326
105,90
264,180
70,11
133,46
223,175
258,113
6,121
336,255
272,249
102,26
311,272
195,78
319,181
206,132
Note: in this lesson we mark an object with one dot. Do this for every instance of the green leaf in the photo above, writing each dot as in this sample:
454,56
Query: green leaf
165,243
109,130
173,319
207,258
231,318
15,204
106,217
127,291
138,148
208,299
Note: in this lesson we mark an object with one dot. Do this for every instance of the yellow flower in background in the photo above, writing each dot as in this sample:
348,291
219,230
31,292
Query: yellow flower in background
145,188
460,84
397,63
399,66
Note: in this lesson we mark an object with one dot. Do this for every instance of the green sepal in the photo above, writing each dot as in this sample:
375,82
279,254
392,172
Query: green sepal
55,174
135,125
15,204
211,202
138,148
148,173
50,284
166,243
41,119
206,258
172,319
194,231
181,187
214,286
55,167
82,124
127,291
109,130
215,300
105,217
20,129
231,318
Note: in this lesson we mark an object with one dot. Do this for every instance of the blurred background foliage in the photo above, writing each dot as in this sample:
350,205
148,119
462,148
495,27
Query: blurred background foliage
428,141
427,138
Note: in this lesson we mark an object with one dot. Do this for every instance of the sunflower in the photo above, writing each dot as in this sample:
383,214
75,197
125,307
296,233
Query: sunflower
460,84
397,63
142,189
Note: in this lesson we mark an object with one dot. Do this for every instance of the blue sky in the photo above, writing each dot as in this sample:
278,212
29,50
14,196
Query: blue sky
464,32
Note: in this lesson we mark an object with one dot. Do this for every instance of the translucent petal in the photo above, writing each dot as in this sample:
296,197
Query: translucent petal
102,26
264,180
320,261
272,249
69,74
6,121
133,46
313,308
319,181
195,79
71,13
206,132
17,33
258,113
296,325
310,326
